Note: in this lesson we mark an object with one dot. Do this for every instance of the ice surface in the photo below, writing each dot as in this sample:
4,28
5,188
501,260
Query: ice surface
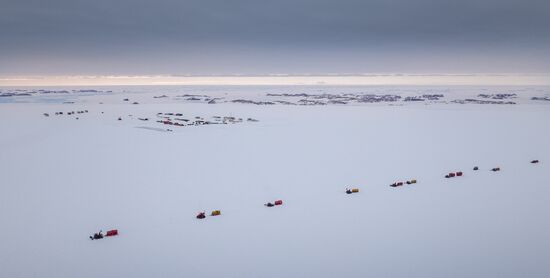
63,179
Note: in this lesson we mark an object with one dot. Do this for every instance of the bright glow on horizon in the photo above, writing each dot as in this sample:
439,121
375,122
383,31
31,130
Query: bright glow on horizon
350,80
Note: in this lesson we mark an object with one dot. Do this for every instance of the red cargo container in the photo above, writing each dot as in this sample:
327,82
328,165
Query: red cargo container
458,174
112,233
278,202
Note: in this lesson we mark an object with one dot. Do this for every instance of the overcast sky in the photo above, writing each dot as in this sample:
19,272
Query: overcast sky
212,37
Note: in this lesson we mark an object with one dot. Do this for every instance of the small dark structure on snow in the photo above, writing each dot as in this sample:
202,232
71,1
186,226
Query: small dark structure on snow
450,175
396,184
97,235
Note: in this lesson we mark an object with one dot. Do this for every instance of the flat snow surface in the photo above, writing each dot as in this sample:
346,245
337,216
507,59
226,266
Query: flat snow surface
63,179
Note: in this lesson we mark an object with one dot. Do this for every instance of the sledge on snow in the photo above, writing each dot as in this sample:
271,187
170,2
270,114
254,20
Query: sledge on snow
100,235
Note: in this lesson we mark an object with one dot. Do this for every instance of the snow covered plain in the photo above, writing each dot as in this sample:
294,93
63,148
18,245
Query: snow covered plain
63,179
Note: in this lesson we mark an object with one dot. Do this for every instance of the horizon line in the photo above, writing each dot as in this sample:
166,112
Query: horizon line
507,79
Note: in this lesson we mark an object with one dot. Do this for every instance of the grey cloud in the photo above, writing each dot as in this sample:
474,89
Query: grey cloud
84,30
